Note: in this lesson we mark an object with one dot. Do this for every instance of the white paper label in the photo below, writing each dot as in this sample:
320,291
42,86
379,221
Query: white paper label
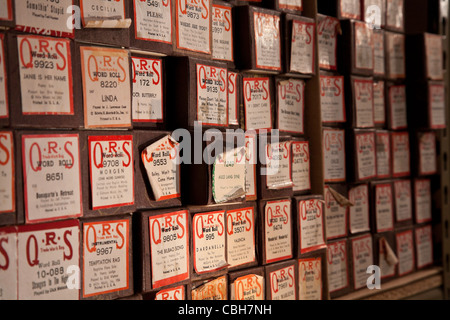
427,153
45,75
45,253
350,9
228,176
405,252
337,266
327,35
424,246
437,106
100,10
8,264
193,26
375,13
384,207
7,177
359,212
363,91
6,10
257,104
335,217
310,279
233,99
379,105
403,200
249,287
310,217
334,155
177,293
267,41
378,53
300,166
364,46
43,17
147,104
278,231
209,241
397,106
291,105
250,166
400,154
394,14
396,55
106,248
434,56
52,177
383,154
153,20
222,33
106,87
302,47
423,201
215,289
366,155
169,248
240,236
332,99
282,284
290,5
112,171
160,162
278,160
212,95
362,259
4,112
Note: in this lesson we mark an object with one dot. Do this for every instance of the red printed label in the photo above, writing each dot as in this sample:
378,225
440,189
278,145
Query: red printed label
282,284
383,141
327,36
427,154
222,33
250,166
332,99
378,53
335,217
8,264
303,47
212,290
364,46
291,105
366,155
434,56
436,107
397,107
233,99
94,11
334,155
394,14
379,105
310,217
177,293
240,237
396,55
290,5
362,259
278,231
359,212
278,160
257,103
153,20
249,287
384,208
423,202
112,171
400,154
300,166
363,90
424,246
267,41
403,200
310,279
405,252
337,266
350,9
7,176
6,12
4,112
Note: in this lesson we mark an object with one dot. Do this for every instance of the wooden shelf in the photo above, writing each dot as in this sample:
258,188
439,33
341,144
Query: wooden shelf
402,288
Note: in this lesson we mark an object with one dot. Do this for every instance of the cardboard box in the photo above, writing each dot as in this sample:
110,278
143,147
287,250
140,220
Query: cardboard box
154,269
396,106
361,253
362,148
7,17
403,200
49,173
258,42
356,48
4,80
328,29
423,205
247,284
201,93
222,32
382,206
211,289
395,55
427,98
9,270
153,26
192,35
149,91
395,15
276,231
359,213
424,246
282,281
106,256
422,16
105,74
404,239
332,99
334,155
336,213
108,161
384,251
43,82
300,167
341,9
7,178
157,175
300,42
106,24
384,157
309,224
379,103
400,154
47,255
313,276
360,102
340,275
